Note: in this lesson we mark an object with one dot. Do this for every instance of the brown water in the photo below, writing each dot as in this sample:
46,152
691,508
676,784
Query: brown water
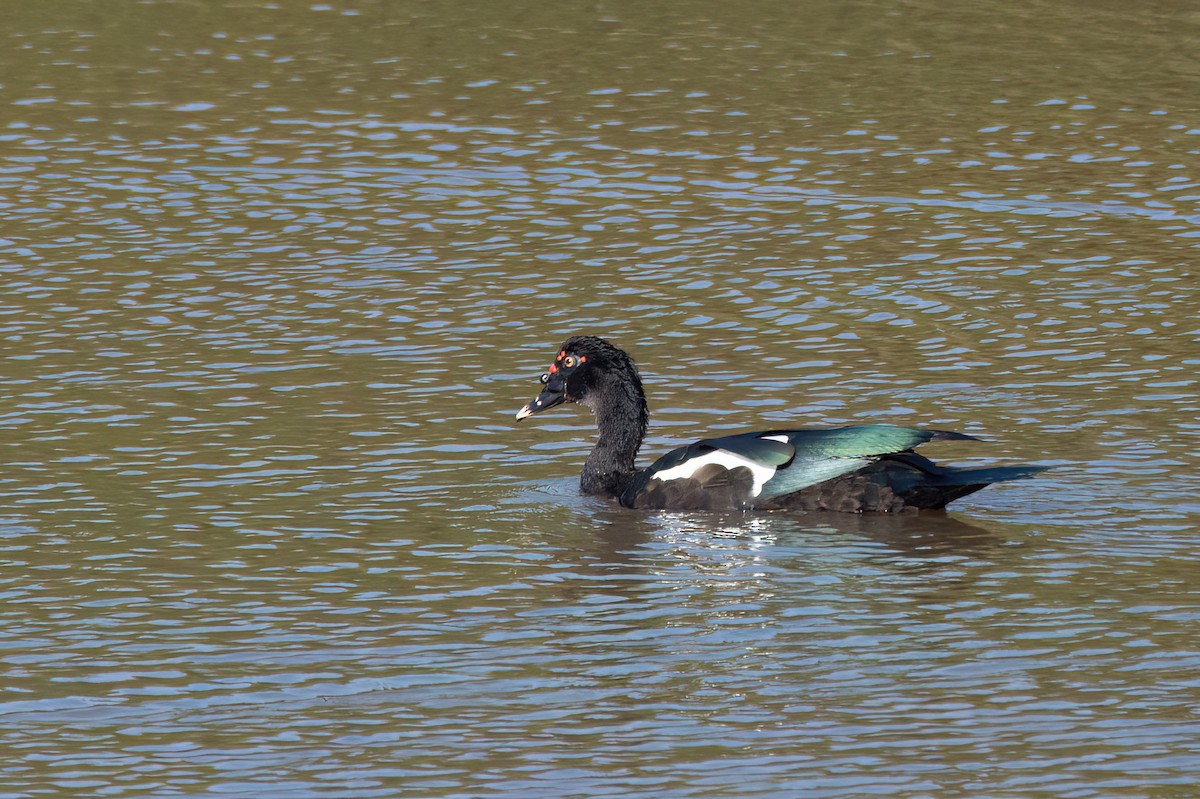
276,278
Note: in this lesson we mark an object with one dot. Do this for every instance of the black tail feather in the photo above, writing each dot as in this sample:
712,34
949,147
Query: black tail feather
950,435
987,475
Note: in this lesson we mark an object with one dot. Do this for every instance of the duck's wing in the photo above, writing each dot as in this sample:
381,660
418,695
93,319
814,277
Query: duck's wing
825,454
741,470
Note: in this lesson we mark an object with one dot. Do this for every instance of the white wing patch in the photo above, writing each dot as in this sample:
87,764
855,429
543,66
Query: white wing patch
761,472
782,439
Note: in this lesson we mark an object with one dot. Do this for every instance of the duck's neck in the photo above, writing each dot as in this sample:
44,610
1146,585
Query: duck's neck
621,417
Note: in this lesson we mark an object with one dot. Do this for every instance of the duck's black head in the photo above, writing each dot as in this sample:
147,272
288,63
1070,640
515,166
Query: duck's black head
586,369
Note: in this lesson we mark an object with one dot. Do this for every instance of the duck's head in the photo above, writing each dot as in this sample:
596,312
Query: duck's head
583,367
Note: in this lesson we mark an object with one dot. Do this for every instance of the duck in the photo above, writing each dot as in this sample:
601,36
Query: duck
870,468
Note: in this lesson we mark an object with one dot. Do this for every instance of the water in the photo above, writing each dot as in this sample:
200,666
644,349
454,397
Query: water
278,278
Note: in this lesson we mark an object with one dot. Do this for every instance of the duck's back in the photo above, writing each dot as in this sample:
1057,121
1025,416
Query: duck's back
860,468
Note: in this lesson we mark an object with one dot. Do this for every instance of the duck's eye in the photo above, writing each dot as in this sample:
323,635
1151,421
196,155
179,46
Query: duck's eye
570,361
545,378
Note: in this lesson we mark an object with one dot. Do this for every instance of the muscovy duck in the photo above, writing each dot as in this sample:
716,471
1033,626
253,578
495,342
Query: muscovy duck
853,469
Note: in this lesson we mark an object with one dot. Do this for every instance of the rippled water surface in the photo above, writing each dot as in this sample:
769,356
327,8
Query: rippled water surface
276,278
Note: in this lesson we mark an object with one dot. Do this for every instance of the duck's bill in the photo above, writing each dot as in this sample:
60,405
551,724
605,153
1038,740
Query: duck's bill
544,401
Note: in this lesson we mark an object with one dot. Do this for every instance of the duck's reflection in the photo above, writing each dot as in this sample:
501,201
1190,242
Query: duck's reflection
620,532
624,547
926,535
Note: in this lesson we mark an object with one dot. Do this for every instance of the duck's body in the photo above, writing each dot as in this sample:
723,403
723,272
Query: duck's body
854,469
